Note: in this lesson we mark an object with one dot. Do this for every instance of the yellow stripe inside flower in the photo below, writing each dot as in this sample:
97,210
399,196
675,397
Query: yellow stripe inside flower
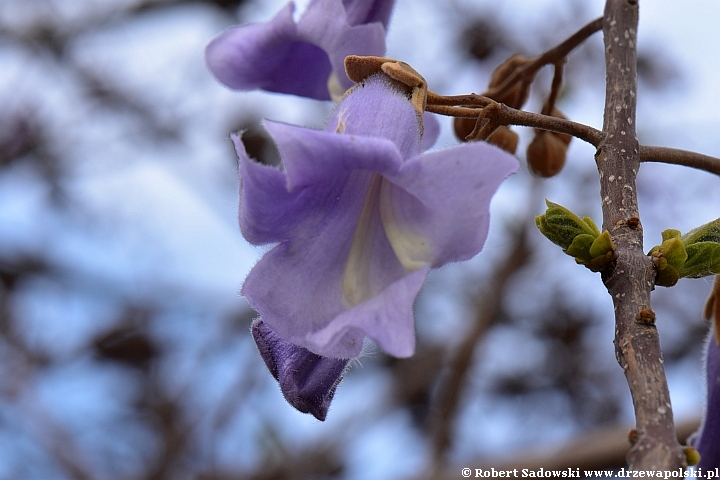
411,249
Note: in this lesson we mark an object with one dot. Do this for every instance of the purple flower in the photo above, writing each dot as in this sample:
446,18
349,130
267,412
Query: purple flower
303,58
707,440
359,216
307,381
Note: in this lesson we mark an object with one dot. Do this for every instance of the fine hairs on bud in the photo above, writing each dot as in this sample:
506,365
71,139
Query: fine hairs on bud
514,95
463,127
505,138
547,152
517,94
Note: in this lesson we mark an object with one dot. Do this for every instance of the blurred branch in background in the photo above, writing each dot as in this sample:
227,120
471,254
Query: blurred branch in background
600,449
488,308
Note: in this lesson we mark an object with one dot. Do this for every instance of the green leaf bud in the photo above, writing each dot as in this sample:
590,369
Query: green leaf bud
598,264
667,277
672,250
561,226
578,237
695,254
668,257
591,224
602,245
703,260
710,232
670,233
580,247
692,456
703,249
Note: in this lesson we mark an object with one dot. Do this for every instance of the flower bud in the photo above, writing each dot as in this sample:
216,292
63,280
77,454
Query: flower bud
463,127
546,154
308,381
516,96
513,97
504,138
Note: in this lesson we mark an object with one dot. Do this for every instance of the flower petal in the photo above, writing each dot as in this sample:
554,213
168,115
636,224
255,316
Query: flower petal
317,163
431,131
368,11
297,287
285,57
308,381
313,157
707,440
444,198
272,56
326,24
358,114
268,212
386,318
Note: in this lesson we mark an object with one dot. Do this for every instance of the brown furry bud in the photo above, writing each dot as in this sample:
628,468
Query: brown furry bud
546,154
516,96
505,138
463,127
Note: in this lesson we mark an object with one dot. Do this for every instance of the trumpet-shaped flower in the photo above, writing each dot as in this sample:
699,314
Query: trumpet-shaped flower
707,440
360,216
303,58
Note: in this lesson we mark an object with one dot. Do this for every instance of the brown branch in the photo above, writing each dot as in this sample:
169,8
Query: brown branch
449,111
680,157
510,116
553,55
549,104
630,281
453,100
505,115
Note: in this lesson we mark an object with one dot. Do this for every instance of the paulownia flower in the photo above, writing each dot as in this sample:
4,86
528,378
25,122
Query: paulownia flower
303,58
707,440
359,216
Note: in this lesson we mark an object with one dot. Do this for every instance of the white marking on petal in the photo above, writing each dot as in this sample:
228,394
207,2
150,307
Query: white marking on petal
334,88
412,249
356,279
342,120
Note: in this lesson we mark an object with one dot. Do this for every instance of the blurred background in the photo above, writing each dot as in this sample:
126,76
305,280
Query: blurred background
125,350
